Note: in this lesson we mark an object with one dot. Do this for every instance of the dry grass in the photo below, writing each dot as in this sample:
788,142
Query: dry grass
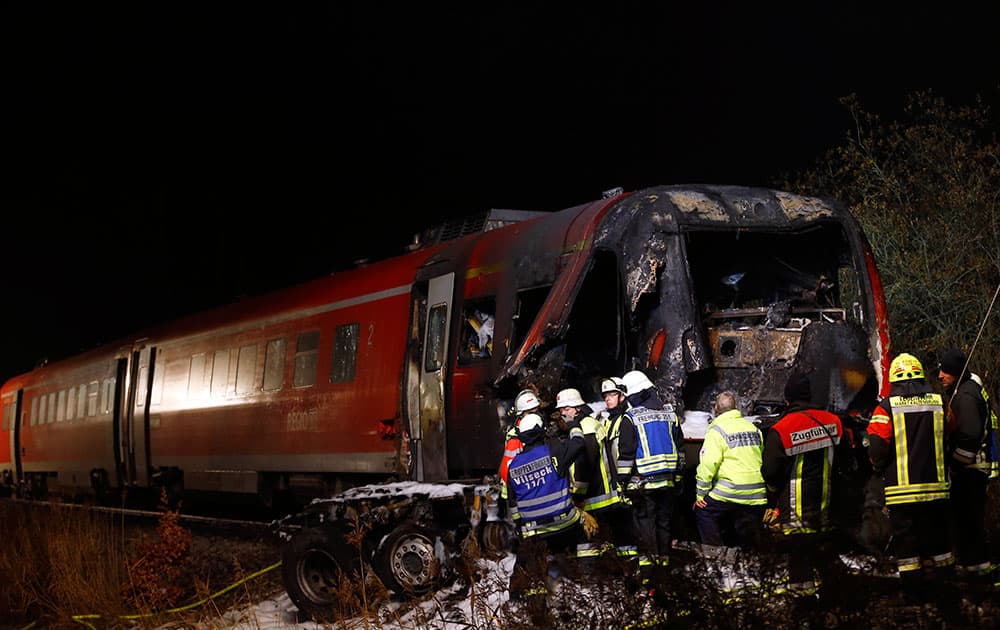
61,567
60,563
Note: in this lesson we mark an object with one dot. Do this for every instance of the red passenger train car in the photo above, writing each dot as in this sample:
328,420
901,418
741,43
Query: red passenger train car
389,371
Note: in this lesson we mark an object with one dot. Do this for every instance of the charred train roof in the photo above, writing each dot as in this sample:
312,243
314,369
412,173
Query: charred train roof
674,207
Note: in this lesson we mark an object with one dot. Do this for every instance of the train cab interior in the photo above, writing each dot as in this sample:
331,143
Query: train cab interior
739,313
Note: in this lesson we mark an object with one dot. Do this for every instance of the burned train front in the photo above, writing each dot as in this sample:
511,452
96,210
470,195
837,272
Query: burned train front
713,288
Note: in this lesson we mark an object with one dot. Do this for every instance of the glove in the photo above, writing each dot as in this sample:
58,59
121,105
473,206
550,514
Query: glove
771,518
590,525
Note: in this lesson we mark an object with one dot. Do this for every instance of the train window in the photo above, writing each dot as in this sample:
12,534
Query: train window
140,385
61,409
477,330
306,355
345,353
274,365
198,375
245,369
107,391
436,330
52,407
70,403
92,399
529,302
156,395
220,373
81,402
38,410
34,411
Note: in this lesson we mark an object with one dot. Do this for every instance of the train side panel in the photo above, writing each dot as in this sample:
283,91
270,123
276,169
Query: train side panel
66,439
303,400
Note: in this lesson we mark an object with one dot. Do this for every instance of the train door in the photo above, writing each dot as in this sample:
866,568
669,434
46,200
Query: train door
14,433
431,443
138,397
131,416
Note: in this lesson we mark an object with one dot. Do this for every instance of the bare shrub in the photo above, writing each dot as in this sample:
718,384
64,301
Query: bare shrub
925,189
154,573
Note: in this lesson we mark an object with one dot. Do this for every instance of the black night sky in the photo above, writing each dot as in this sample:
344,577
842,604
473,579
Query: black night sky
164,158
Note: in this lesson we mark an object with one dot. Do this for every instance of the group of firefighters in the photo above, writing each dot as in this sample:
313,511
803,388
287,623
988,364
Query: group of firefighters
608,484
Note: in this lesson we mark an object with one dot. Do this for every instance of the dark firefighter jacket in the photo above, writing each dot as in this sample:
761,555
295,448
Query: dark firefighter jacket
906,436
970,427
594,482
797,466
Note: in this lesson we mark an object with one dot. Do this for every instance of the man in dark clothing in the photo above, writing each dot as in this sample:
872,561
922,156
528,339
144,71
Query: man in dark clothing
968,432
797,466
541,504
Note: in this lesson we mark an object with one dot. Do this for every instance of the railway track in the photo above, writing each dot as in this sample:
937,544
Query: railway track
203,523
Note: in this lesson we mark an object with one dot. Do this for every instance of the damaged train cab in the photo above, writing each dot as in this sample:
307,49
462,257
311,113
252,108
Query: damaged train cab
705,288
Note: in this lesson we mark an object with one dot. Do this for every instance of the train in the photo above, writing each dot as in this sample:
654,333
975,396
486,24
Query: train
385,388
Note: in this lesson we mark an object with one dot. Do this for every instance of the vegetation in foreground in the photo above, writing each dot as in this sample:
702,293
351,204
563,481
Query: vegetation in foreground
72,569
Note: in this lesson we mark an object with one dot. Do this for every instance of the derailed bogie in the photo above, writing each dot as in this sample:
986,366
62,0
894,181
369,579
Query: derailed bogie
410,540
323,572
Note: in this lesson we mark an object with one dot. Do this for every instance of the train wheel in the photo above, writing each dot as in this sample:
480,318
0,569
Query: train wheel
406,562
497,537
320,572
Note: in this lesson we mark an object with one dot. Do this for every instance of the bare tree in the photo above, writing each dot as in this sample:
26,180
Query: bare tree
925,188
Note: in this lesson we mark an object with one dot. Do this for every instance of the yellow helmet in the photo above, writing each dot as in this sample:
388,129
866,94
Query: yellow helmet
905,367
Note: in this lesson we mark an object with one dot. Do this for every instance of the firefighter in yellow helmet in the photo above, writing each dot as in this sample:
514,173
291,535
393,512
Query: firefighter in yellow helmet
906,446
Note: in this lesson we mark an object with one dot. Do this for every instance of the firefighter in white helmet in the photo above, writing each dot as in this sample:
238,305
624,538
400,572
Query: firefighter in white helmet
524,403
651,460
594,487
541,504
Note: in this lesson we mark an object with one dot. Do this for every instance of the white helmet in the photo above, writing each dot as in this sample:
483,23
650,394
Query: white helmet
526,400
636,382
613,384
569,398
529,422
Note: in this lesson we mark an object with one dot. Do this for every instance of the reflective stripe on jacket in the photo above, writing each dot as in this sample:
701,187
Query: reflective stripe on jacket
657,458
798,466
730,461
542,502
601,491
913,428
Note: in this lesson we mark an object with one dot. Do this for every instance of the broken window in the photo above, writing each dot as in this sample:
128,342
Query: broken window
478,318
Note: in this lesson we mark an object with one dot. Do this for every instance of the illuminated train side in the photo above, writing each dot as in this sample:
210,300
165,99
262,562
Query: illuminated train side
366,374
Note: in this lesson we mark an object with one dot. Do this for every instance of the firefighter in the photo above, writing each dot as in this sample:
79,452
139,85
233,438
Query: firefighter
620,518
541,503
970,429
650,459
730,495
906,446
594,487
797,467
525,402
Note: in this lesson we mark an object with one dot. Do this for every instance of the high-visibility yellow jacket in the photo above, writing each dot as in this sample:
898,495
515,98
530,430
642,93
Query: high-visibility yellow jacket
730,459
